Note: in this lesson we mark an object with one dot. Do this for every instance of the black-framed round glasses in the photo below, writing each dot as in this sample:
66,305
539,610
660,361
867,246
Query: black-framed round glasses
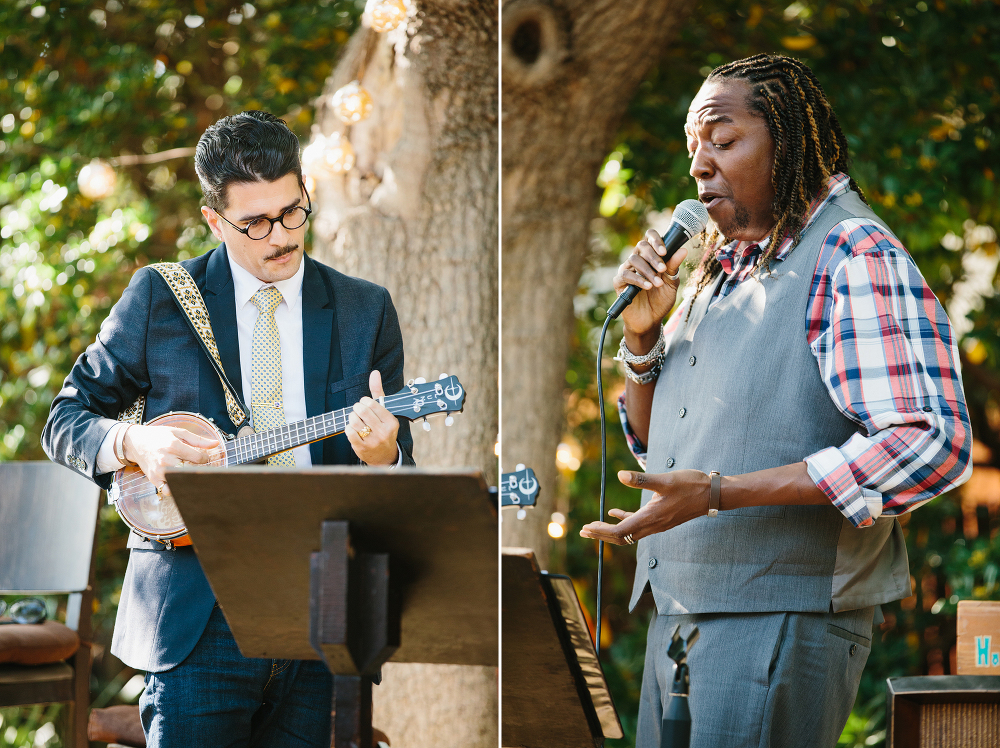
260,228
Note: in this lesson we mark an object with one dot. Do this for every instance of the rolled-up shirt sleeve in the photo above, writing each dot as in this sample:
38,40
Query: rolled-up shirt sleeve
636,447
889,358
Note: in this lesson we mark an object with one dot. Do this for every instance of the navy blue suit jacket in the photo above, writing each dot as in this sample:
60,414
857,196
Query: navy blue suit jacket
349,328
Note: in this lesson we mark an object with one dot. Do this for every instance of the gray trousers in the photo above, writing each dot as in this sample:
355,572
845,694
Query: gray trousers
759,680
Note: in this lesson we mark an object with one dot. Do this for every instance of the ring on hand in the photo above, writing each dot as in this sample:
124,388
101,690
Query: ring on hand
673,277
364,431
628,539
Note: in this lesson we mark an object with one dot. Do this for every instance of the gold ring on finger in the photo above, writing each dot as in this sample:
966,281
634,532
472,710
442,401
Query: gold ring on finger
364,431
628,539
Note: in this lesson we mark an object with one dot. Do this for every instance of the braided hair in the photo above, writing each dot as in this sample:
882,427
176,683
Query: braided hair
809,146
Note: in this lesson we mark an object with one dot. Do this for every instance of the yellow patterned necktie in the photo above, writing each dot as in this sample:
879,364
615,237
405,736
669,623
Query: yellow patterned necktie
266,401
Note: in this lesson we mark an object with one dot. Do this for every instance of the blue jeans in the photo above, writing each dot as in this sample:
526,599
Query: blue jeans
219,698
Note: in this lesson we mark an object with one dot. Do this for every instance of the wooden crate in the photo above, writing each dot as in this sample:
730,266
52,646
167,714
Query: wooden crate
978,637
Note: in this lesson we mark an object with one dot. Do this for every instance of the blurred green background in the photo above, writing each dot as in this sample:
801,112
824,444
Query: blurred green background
82,80
916,86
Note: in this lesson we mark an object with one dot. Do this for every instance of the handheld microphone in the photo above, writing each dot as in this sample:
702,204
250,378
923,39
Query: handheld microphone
690,218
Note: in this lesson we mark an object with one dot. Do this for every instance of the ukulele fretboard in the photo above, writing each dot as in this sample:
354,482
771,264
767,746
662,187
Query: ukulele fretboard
255,447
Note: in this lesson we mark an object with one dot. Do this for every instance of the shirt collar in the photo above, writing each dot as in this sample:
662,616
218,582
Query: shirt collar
730,254
245,284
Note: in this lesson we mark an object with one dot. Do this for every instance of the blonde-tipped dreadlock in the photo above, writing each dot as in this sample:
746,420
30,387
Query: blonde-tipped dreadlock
809,146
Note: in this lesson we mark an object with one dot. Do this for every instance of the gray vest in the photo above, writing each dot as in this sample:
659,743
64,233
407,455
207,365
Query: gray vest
740,391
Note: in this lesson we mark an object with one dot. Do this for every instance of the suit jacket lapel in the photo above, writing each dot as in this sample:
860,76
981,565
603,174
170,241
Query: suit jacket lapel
220,299
318,320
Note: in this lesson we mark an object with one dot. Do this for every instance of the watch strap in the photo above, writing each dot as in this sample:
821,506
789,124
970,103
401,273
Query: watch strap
715,493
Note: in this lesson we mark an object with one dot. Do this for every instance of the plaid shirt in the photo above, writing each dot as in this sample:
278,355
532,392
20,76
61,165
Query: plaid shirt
889,358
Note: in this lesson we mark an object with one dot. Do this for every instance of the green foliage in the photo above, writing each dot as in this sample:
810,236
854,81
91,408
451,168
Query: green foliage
82,80
87,80
31,726
916,86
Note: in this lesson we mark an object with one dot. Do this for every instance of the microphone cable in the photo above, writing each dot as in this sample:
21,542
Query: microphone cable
690,217
604,478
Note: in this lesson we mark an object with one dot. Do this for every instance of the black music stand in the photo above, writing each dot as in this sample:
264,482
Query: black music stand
554,693
360,565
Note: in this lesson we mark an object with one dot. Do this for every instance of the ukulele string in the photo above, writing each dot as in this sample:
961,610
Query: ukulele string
344,413
138,480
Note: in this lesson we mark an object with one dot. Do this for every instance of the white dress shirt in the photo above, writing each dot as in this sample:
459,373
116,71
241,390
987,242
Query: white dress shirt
288,317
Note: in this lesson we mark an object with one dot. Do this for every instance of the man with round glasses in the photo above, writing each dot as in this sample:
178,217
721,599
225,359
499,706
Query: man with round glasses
309,337
260,228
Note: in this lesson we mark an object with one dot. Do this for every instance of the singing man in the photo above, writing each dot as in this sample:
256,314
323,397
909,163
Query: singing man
296,339
803,396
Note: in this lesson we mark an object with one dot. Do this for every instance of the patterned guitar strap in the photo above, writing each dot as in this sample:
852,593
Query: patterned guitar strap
191,303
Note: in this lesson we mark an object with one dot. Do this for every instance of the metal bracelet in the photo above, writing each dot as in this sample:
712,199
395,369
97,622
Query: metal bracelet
118,446
627,357
654,357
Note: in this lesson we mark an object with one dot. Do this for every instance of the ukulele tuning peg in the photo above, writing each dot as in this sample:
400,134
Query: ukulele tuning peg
521,514
427,426
448,421
519,466
420,380
443,375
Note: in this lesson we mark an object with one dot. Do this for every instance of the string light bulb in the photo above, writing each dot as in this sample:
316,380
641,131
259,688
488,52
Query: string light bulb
385,15
352,103
339,154
312,157
327,156
97,180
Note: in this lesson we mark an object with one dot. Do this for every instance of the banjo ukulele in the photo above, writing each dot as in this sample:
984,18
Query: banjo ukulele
154,515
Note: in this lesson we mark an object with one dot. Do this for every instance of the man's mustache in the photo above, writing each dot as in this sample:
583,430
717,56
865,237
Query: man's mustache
281,252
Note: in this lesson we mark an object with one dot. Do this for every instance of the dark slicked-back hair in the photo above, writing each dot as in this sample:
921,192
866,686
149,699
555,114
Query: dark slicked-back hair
809,145
247,147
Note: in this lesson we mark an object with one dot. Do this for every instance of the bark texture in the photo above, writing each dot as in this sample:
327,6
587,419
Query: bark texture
418,214
570,69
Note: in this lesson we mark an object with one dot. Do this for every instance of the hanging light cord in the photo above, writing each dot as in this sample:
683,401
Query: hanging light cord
604,478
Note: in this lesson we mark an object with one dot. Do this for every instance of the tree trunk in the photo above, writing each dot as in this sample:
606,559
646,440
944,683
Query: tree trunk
569,72
418,215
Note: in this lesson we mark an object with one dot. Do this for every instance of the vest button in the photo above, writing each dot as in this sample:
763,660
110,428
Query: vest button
670,462
652,563
692,360
682,412
854,649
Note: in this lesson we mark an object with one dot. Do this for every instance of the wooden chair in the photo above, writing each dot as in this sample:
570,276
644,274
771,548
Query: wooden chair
48,523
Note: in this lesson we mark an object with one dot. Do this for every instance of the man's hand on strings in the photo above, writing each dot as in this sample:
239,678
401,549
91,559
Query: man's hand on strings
371,429
156,448
678,496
